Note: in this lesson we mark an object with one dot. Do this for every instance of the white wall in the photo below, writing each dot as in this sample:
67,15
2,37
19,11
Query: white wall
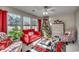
16,11
77,24
68,19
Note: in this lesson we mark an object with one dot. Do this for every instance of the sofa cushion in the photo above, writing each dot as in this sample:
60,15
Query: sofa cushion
4,44
33,37
24,39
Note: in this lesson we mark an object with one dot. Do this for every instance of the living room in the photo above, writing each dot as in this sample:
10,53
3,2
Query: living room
39,28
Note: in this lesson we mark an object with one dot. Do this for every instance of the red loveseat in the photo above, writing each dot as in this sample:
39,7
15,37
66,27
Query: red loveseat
30,36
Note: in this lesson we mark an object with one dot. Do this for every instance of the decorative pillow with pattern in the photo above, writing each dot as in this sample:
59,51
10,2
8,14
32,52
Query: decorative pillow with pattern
3,36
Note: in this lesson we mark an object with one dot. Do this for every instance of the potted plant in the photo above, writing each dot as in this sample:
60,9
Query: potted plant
15,33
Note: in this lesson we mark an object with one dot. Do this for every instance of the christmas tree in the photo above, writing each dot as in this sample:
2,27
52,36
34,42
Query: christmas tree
46,31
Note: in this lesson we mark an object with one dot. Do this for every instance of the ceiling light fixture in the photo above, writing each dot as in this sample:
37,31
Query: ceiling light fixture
45,11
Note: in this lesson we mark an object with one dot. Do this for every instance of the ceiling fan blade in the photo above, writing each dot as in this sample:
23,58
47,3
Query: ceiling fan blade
51,9
50,12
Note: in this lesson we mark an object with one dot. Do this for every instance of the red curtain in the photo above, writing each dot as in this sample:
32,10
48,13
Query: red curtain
0,20
3,21
39,24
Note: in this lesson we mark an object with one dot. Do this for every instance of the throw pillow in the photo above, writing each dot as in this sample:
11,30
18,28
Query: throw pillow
3,36
31,33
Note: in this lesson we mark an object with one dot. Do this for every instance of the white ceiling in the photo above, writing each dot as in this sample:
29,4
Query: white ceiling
38,10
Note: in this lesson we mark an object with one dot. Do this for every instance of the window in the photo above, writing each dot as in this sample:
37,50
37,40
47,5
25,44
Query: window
14,20
30,23
34,24
26,22
22,22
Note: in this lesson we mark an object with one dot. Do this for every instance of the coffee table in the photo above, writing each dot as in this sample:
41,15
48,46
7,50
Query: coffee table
43,43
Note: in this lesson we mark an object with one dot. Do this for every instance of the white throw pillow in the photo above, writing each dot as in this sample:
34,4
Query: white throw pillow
31,33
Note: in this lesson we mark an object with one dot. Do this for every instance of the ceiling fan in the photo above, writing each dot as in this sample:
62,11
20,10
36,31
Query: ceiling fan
48,10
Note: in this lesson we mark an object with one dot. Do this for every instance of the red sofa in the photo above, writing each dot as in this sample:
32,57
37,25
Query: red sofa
30,36
5,43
